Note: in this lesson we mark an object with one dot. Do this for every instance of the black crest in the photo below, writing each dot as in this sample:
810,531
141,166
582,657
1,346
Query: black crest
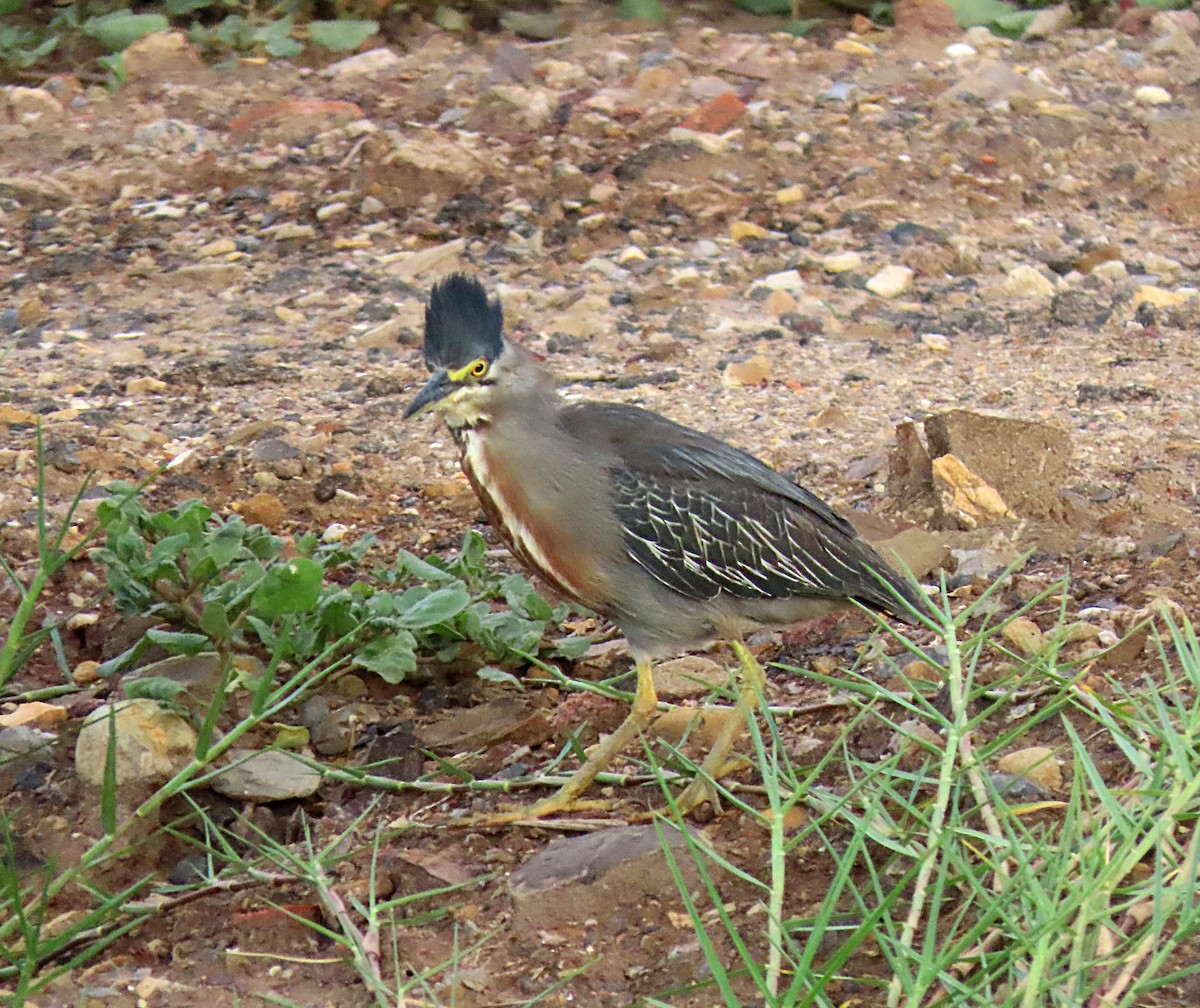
461,324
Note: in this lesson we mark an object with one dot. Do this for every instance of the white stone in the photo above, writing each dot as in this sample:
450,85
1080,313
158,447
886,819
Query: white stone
366,64
1026,282
842,262
891,281
960,51
1149,94
788,280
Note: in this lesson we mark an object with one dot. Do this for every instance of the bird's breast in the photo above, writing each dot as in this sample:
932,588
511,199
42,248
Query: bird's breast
536,527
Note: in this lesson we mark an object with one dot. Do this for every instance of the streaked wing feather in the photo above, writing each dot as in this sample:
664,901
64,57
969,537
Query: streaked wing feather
704,518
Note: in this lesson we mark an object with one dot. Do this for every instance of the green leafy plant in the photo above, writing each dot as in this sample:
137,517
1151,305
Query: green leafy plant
220,584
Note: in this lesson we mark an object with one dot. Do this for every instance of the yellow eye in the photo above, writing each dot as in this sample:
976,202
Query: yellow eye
479,368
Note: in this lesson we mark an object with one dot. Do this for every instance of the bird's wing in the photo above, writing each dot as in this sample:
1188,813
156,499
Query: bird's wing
704,518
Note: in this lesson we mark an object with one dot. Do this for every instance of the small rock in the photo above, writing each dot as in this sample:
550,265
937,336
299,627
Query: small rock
779,303
331,211
936,341
1049,22
630,254
1150,94
744,230
1025,636
343,729
657,83
790,194
30,105
198,674
34,714
162,56
372,63
1037,764
891,281
916,743
266,776
478,727
263,509
1160,265
153,743
217,247
293,232
852,47
371,207
754,371
786,280
289,316
842,262
960,51
689,676
916,550
86,673
21,740
598,876
1160,297
396,754
716,116
147,385
1026,282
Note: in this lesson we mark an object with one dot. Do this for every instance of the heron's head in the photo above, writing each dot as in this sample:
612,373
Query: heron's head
464,350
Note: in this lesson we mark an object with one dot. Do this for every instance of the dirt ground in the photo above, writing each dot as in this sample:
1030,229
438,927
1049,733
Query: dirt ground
217,261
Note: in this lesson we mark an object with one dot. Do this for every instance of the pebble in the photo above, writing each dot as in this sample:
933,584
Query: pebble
371,207
891,281
332,210
266,776
217,247
1160,297
935,341
631,254
742,230
842,262
1160,265
852,48
790,194
1114,270
960,51
1149,94
372,63
787,280
153,743
1026,282
1037,764
292,232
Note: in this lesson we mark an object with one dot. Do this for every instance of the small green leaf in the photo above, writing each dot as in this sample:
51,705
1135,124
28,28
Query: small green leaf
284,48
391,658
643,10
765,8
341,36
571,647
290,587
539,27
214,621
437,607
154,688
169,548
803,27
10,6
489,673
179,7
451,20
970,13
418,568
179,643
291,736
120,29
224,543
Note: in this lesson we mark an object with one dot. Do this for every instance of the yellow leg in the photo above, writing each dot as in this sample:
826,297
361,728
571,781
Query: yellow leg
751,683
566,798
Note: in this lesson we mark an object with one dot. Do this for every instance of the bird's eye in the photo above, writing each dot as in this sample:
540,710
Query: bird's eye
479,368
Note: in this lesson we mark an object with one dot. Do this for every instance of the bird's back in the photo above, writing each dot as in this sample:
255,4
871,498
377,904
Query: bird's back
714,524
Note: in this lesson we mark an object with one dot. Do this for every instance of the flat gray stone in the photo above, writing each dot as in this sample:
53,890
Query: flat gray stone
266,776
599,876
